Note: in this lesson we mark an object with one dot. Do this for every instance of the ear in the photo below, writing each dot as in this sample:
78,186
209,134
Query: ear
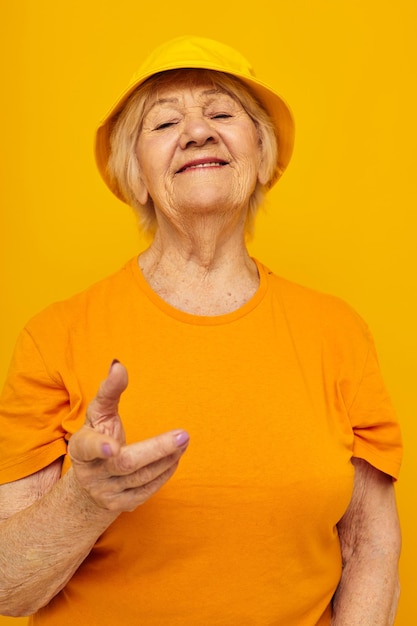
136,179
141,191
263,173
263,176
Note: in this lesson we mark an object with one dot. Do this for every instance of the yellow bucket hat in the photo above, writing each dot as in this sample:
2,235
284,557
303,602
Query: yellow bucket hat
198,52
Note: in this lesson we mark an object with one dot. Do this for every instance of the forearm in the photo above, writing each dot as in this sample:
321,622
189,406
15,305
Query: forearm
43,545
368,592
370,541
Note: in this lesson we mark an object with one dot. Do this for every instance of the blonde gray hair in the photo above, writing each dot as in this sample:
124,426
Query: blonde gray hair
123,166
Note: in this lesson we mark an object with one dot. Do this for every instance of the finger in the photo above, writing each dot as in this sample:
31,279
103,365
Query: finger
147,474
88,445
129,499
142,453
106,402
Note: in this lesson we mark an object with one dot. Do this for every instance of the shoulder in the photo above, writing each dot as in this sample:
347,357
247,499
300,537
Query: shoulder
321,312
98,298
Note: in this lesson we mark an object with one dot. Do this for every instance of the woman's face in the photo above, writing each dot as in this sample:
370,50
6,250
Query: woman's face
198,152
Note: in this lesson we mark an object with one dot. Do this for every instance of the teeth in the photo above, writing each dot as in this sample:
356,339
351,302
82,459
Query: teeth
192,167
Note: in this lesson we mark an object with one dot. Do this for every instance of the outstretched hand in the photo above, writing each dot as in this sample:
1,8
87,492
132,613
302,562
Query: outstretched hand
116,476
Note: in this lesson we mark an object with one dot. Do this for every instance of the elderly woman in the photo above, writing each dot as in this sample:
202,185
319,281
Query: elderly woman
282,510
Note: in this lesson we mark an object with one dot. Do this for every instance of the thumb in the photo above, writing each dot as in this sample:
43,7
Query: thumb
103,433
106,402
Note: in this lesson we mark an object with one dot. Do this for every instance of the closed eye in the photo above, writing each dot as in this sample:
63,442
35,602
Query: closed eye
164,125
220,116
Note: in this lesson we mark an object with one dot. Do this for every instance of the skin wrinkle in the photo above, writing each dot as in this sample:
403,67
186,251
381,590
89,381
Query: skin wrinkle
197,134
370,543
41,483
41,559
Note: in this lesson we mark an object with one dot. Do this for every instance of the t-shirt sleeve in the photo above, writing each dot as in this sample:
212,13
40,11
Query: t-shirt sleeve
376,430
32,404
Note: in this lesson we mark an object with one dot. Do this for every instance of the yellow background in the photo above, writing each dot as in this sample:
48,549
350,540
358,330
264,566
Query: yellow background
342,219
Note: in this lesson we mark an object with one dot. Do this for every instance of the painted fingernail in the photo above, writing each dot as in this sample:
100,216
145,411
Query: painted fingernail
106,448
182,438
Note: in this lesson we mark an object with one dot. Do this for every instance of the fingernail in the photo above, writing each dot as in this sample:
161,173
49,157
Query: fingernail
182,438
106,448
113,363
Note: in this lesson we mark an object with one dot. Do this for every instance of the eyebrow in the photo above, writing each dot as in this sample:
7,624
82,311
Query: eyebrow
173,100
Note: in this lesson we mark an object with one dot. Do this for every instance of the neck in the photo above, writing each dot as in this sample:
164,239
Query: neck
202,241
204,270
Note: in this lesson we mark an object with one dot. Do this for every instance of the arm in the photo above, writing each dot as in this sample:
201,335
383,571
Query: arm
370,543
49,524
50,528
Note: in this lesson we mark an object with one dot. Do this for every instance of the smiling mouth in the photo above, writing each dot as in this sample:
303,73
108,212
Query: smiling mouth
200,165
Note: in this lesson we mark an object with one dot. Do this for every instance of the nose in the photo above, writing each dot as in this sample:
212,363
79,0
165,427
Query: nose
197,131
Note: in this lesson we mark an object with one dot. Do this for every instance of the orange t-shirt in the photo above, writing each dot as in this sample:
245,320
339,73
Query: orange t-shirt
277,397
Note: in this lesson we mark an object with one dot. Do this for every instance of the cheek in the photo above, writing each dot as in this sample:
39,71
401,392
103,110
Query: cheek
250,159
251,146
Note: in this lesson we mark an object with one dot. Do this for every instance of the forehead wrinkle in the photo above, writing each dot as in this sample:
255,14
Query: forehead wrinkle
175,100
161,101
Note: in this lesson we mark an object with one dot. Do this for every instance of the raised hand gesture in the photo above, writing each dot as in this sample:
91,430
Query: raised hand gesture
116,476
